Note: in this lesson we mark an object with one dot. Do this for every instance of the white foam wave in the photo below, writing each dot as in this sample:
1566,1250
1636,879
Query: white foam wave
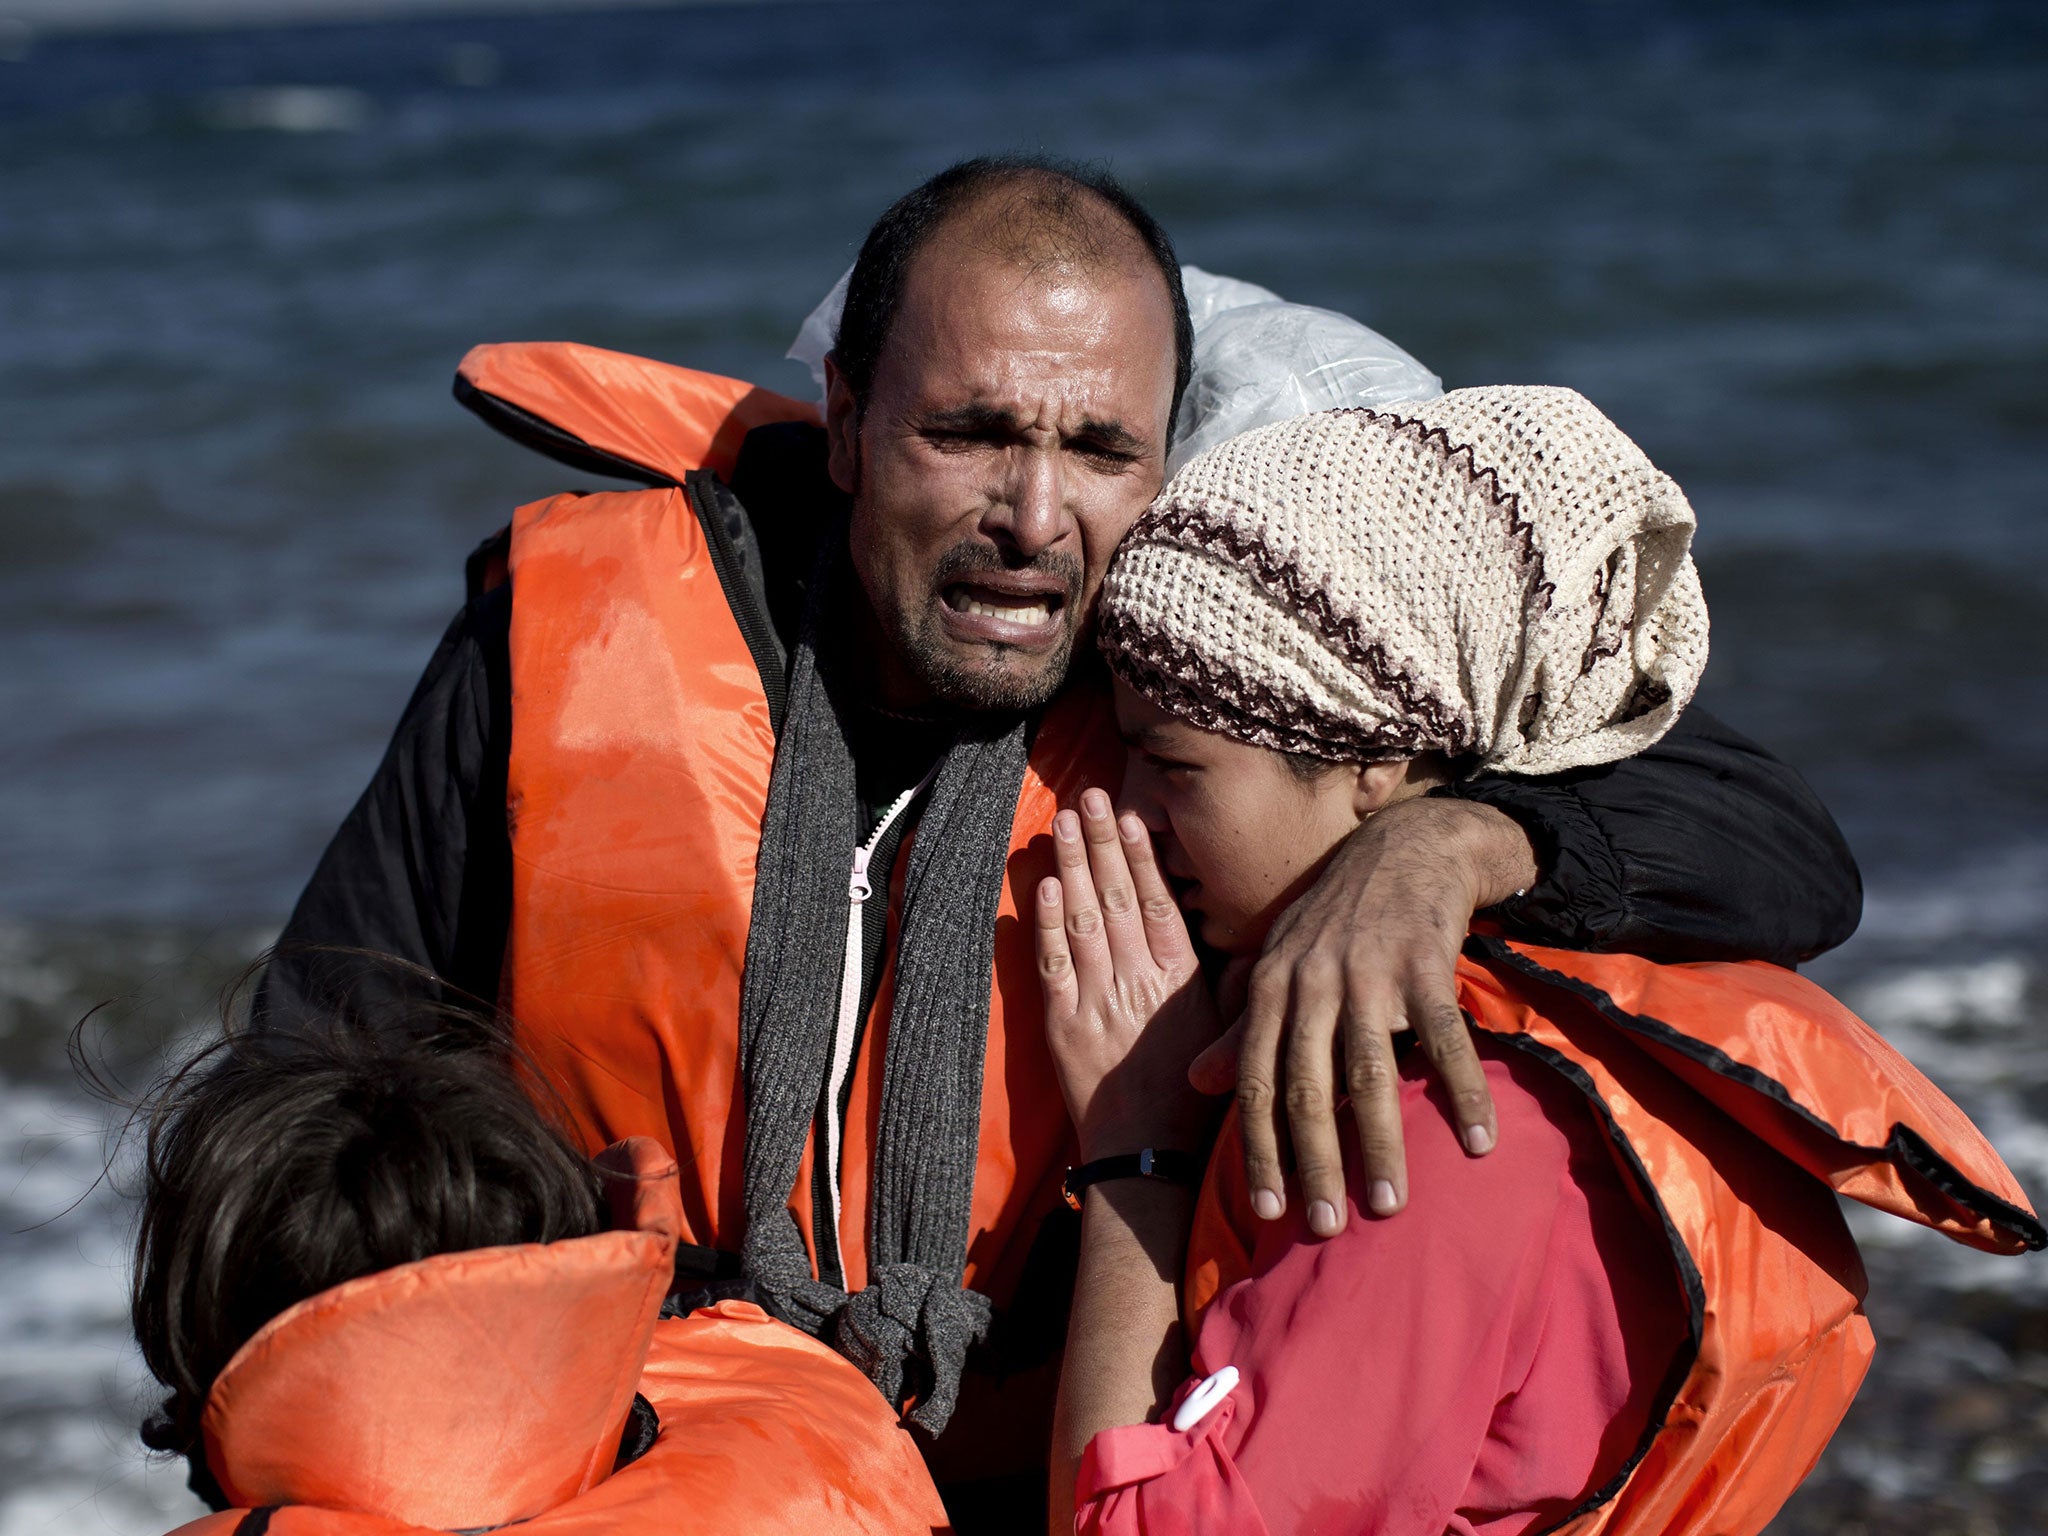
1980,1030
72,1386
290,109
1993,900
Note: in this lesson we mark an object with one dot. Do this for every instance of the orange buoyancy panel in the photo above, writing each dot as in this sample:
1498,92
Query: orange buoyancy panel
455,1392
1735,1110
1807,1076
641,749
468,1389
641,754
763,1430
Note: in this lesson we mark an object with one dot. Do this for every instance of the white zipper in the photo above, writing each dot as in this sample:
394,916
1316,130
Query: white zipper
858,890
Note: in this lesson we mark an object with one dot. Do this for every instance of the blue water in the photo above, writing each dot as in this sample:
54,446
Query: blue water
1800,252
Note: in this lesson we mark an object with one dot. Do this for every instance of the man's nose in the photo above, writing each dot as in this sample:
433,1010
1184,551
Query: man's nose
1029,507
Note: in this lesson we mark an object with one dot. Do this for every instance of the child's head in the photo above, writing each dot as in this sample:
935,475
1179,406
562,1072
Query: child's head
281,1164
1332,613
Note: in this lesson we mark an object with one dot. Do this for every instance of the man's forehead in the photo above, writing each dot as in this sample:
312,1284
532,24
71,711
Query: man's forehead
980,329
955,278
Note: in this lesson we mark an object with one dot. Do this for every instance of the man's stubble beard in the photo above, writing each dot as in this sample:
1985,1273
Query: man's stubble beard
961,683
955,683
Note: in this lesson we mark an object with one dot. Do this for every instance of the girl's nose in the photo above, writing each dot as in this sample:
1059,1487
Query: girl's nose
1137,798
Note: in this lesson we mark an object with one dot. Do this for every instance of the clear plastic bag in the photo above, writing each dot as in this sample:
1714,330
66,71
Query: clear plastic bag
814,338
1210,293
1258,359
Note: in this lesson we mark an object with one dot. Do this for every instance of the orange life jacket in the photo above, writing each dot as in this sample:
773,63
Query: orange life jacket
1740,1099
638,781
490,1388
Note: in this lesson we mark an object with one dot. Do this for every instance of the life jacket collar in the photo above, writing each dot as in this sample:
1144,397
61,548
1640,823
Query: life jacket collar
615,414
462,1391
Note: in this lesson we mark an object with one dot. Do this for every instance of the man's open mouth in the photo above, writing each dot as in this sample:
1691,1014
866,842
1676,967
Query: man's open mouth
1022,613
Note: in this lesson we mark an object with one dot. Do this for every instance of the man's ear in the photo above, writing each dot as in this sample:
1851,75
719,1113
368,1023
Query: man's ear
842,428
1378,785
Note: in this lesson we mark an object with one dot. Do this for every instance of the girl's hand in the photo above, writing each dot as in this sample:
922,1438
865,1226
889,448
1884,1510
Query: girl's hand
1126,1008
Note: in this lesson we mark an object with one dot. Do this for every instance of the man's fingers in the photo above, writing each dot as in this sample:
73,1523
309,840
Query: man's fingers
1055,959
1166,931
1447,1040
1258,1101
1370,1079
1311,1101
1085,939
1114,888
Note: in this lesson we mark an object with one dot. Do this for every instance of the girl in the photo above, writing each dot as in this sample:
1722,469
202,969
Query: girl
1644,1311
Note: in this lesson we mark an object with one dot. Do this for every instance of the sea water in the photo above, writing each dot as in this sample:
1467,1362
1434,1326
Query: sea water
1799,253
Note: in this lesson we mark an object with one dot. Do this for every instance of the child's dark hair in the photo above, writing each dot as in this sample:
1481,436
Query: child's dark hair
281,1162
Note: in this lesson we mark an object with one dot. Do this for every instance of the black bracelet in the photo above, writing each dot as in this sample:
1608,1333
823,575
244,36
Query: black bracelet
1152,1163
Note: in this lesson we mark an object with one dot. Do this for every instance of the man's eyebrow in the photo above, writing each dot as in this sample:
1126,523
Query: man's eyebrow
976,417
979,418
1113,435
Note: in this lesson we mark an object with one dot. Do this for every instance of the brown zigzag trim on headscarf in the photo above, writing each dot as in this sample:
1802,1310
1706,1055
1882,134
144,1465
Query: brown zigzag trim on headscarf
1599,650
1192,520
1215,699
1462,457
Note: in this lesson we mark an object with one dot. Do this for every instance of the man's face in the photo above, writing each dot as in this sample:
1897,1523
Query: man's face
1015,428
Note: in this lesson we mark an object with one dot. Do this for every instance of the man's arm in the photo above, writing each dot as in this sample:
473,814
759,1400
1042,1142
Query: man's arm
421,867
1703,846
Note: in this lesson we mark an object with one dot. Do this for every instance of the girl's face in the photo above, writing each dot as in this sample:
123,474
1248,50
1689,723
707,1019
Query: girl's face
1240,832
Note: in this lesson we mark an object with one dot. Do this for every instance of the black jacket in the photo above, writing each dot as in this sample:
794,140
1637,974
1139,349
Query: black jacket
1702,847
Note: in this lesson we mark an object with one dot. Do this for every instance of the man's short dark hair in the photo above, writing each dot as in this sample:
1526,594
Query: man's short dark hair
1053,209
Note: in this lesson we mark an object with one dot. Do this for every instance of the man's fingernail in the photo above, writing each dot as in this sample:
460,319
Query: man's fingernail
1478,1140
1066,825
1381,1198
1322,1218
1096,802
1266,1205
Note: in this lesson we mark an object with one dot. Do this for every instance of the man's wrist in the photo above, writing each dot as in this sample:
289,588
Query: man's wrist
1493,852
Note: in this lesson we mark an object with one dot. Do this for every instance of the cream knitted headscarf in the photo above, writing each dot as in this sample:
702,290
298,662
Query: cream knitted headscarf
1499,575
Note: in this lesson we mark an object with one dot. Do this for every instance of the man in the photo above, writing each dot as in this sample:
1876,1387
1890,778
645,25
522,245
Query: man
628,795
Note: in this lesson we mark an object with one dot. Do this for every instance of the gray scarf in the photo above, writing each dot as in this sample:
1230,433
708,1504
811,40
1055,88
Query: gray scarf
911,1328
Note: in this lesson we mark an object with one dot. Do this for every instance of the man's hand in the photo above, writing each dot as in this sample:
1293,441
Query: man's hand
1370,949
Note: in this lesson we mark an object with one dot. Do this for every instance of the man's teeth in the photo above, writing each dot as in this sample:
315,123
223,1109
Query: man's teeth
1036,612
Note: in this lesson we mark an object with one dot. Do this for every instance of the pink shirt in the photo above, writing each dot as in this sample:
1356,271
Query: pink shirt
1478,1364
